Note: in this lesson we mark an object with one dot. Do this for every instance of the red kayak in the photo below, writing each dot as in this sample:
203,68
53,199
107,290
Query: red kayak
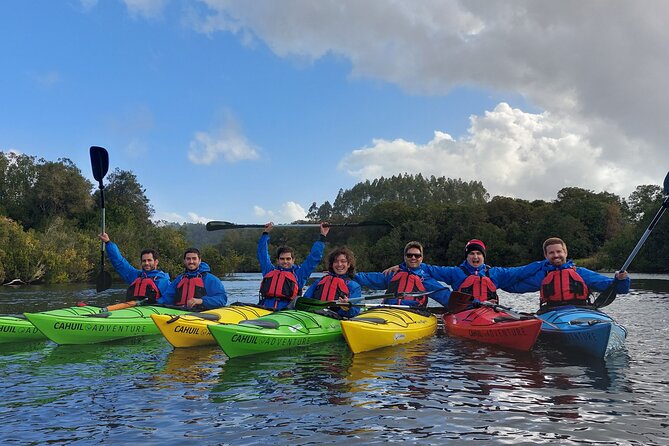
491,324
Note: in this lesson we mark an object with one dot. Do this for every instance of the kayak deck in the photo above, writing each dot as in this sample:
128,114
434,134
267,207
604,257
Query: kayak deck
190,330
582,330
16,328
86,325
276,331
494,326
386,326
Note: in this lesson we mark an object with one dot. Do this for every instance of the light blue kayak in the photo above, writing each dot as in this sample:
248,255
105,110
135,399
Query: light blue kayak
582,331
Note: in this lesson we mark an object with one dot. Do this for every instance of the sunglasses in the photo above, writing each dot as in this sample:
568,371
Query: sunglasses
413,255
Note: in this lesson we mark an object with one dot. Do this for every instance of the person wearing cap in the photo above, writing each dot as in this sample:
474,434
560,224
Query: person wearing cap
560,282
407,277
473,276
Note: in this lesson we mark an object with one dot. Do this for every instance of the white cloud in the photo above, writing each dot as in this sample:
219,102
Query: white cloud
511,152
227,141
148,9
175,217
289,212
600,64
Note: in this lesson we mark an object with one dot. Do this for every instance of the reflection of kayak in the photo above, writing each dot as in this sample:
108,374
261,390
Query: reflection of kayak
383,327
492,325
86,325
277,331
15,328
582,330
189,330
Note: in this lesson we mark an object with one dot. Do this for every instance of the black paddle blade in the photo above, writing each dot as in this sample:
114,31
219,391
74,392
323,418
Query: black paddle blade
666,184
218,225
459,301
606,297
103,281
99,162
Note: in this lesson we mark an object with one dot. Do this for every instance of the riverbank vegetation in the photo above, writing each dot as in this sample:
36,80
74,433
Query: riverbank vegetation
49,221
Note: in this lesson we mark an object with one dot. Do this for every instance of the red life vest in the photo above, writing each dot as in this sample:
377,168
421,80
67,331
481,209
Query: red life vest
479,286
143,287
279,284
563,286
331,288
406,282
189,288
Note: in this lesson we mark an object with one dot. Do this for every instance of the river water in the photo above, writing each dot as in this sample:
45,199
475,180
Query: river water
433,391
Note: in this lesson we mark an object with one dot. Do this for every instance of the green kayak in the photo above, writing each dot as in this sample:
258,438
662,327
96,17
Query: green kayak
277,331
16,328
86,325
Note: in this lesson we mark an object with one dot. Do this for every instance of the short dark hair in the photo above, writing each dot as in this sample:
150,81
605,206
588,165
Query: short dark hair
349,256
153,252
554,241
413,244
192,251
283,249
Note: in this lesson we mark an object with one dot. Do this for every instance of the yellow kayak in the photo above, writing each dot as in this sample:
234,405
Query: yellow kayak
190,330
387,326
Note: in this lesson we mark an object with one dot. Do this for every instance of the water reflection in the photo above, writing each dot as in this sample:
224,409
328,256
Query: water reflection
314,375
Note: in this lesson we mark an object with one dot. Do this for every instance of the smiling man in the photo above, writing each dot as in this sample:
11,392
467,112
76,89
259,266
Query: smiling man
407,277
284,282
147,283
196,287
560,282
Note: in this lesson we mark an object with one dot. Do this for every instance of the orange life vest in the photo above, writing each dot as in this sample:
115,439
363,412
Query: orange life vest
143,287
406,282
331,288
479,286
563,286
279,284
189,288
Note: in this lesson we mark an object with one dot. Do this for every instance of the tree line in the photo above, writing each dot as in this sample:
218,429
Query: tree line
49,221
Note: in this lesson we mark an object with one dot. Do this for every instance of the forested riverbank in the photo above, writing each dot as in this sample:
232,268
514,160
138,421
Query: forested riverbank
49,221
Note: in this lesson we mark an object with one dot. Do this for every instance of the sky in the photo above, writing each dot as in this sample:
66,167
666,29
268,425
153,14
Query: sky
250,111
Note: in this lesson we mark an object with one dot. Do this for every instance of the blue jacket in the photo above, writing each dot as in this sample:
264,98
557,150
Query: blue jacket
528,278
454,275
380,281
302,272
354,293
215,297
129,273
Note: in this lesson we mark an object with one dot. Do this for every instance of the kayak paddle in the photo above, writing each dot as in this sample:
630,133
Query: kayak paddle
607,296
219,225
100,165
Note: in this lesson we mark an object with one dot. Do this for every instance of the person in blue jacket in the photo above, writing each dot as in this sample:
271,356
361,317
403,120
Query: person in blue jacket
283,282
337,285
197,287
473,276
408,278
560,282
146,284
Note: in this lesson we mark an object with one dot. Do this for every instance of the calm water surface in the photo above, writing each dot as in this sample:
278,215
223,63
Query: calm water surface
433,391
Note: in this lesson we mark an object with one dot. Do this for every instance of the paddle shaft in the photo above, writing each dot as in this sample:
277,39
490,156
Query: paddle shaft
219,225
645,235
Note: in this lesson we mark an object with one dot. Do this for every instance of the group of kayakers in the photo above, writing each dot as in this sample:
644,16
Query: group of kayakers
410,283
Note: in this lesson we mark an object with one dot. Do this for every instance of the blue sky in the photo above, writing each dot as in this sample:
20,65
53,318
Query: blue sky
250,111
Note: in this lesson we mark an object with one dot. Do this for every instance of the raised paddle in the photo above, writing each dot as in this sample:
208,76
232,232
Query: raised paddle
219,225
100,165
607,296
